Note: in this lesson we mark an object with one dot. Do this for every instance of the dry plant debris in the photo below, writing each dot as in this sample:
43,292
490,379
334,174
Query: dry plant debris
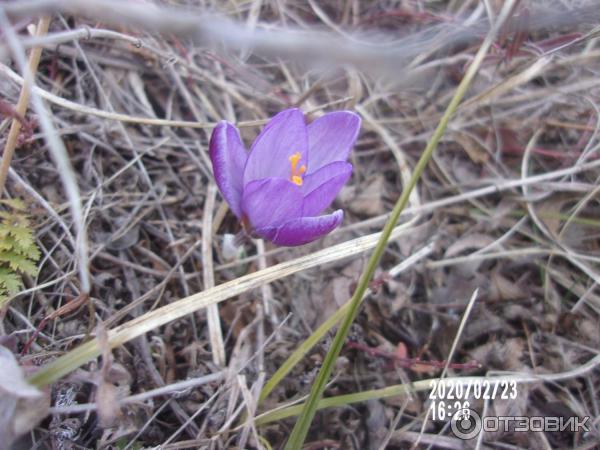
509,208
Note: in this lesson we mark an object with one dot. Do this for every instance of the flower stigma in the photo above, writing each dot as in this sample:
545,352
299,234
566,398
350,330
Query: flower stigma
296,176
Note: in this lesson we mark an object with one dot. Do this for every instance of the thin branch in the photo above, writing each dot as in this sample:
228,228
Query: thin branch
170,389
21,108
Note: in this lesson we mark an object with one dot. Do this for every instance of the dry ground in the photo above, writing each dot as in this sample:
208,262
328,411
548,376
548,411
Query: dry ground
508,206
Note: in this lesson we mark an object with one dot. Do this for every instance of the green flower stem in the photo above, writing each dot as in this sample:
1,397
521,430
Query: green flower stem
65,364
343,400
332,321
425,385
302,350
309,409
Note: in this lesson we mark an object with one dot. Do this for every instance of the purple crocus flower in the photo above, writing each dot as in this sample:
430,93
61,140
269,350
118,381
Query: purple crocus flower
292,174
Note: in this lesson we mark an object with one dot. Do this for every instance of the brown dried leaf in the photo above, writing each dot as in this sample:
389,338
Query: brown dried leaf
474,151
500,355
367,201
108,404
549,213
12,381
118,374
107,394
474,241
335,294
503,288
580,237
22,406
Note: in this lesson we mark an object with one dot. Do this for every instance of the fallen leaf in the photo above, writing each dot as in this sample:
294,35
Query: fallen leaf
22,406
505,355
505,289
108,404
474,241
472,148
365,201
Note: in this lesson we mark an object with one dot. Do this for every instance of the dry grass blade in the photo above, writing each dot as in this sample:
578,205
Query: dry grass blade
121,111
212,311
21,108
154,319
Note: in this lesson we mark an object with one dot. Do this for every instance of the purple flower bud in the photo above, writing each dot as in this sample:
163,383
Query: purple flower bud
292,174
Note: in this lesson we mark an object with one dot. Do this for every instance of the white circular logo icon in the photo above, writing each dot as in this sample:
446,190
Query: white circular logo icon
466,424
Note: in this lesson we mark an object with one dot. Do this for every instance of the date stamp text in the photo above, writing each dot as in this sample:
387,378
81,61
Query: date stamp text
450,396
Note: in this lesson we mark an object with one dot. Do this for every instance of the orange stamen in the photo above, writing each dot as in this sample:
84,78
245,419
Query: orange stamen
296,176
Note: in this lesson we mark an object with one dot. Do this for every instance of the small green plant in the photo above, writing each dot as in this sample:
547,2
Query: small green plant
18,251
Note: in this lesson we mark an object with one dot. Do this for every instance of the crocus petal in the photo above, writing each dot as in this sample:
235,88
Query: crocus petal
267,233
228,157
331,178
271,202
325,173
283,136
307,229
331,137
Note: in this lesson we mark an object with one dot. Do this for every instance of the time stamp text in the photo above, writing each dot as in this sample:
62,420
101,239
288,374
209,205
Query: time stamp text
448,397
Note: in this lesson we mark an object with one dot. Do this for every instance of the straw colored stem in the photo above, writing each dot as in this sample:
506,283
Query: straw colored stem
214,321
172,311
21,108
